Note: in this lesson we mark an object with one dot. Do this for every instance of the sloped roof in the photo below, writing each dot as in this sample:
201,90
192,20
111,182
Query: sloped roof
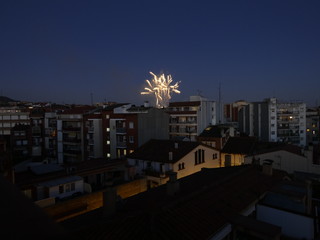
207,200
239,145
158,150
213,131
261,148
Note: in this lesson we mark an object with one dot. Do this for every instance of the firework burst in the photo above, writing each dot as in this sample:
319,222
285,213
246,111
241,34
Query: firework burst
162,89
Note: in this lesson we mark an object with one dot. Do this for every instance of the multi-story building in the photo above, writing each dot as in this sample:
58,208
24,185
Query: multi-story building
10,116
273,121
70,134
21,143
128,127
313,126
37,133
50,140
231,112
189,119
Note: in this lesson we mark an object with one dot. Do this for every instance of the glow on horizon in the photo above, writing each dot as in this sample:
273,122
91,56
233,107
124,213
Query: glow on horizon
161,88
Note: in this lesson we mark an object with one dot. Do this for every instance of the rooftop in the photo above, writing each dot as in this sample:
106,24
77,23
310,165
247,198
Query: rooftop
205,203
158,150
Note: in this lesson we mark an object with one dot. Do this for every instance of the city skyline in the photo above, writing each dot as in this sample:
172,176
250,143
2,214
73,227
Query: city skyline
79,51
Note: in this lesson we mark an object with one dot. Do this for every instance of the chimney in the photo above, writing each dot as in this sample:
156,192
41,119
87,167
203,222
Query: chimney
267,167
172,185
109,200
170,156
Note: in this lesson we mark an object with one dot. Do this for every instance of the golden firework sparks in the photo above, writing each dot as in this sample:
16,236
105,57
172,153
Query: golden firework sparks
162,89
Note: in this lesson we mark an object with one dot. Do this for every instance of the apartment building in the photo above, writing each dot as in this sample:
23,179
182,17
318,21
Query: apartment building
313,126
128,126
188,119
273,121
70,134
11,116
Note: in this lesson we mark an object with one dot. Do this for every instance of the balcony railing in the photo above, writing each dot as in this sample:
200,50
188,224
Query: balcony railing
121,144
121,130
72,140
72,152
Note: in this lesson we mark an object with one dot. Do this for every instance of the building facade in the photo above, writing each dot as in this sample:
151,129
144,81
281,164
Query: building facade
273,121
189,119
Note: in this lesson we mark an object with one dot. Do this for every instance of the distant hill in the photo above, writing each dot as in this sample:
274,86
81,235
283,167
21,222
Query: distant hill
5,100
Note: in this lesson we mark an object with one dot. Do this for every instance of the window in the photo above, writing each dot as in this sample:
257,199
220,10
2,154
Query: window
215,156
131,125
108,142
67,187
131,139
108,129
107,116
73,186
181,166
199,156
61,189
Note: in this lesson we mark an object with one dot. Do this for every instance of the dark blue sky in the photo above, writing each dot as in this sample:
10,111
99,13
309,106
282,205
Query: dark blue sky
62,51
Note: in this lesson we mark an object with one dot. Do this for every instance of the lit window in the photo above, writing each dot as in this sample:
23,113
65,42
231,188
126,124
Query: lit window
131,125
308,130
108,142
108,129
108,155
313,132
107,116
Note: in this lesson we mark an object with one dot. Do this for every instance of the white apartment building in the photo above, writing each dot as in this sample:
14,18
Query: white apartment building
188,119
273,121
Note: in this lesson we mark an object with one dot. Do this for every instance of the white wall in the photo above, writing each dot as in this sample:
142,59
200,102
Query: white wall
283,160
54,191
292,225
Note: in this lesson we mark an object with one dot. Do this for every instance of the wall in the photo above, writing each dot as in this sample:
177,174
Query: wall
54,191
189,162
293,225
283,160
153,124
82,204
236,159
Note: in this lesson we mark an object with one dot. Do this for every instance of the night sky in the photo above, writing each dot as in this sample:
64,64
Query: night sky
62,51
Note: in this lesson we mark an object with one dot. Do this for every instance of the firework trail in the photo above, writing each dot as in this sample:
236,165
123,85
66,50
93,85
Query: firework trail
162,89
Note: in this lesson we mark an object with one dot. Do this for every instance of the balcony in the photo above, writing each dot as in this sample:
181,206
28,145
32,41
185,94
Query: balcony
121,144
73,152
71,140
121,130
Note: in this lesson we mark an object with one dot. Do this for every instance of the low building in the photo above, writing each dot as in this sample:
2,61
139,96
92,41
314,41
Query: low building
157,158
236,149
216,136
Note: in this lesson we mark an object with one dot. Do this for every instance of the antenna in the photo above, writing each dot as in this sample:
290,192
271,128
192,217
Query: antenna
220,104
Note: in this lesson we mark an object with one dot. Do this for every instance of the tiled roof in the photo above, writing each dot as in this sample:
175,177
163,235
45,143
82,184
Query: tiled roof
239,145
207,200
158,150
